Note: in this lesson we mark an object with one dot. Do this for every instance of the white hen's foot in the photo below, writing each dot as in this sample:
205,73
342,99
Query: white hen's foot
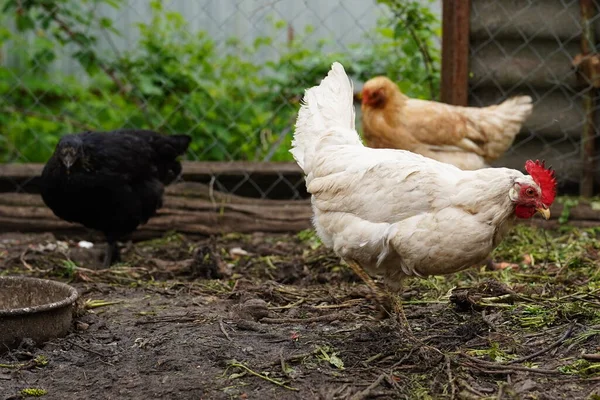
389,304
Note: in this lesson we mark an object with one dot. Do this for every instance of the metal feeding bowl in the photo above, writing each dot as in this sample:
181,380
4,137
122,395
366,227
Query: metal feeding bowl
38,309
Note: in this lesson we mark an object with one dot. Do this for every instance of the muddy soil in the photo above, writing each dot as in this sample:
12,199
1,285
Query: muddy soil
277,317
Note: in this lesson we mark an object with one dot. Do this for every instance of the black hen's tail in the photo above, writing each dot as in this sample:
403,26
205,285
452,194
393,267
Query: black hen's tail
166,150
171,147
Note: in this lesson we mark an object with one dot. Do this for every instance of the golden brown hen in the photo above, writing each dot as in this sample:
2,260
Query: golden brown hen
467,137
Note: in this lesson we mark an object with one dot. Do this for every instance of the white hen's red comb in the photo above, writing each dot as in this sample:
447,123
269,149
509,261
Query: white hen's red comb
545,178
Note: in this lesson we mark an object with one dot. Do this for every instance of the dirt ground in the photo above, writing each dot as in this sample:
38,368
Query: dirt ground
277,317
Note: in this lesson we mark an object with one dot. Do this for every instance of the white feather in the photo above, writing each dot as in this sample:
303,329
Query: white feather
329,105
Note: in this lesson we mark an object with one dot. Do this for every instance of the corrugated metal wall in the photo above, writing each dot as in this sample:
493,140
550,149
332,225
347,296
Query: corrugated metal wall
527,47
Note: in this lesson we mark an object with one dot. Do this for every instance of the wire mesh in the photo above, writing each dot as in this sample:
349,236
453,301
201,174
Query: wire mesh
531,47
231,74
228,73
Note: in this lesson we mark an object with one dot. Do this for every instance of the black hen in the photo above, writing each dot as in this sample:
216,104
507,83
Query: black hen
111,181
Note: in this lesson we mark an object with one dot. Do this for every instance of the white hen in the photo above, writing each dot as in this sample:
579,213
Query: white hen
398,213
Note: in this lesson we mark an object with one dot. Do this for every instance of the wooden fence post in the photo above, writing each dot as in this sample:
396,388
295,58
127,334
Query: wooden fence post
588,135
455,51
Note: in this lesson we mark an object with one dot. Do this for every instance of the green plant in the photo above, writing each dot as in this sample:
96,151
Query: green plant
234,104
39,106
568,203
68,269
414,28
33,392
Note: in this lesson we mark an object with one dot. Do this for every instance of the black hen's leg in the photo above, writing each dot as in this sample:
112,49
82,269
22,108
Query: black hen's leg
112,252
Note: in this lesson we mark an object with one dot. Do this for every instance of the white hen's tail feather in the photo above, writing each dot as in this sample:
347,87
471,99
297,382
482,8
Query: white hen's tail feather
326,117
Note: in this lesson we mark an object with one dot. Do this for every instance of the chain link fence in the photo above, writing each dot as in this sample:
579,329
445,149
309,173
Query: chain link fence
231,74
545,49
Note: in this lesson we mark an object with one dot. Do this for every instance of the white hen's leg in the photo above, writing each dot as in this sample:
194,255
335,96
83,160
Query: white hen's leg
383,299
399,310
394,287
377,293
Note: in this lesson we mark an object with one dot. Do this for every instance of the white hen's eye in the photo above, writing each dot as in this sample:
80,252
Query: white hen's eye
530,192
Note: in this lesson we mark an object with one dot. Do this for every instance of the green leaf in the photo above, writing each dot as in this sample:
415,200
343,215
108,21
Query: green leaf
234,104
336,361
148,87
106,22
10,4
24,22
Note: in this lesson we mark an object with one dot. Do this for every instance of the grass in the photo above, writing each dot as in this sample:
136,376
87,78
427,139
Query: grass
567,247
555,274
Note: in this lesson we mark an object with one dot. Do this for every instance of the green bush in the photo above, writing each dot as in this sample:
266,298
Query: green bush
234,107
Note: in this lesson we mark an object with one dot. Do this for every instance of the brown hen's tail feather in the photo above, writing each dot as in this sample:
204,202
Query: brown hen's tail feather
499,124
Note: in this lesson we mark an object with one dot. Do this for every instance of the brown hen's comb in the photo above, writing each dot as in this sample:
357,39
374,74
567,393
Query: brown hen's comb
544,177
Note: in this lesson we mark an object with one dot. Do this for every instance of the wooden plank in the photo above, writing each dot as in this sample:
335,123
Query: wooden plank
190,208
455,51
283,180
20,171
191,169
193,209
521,65
489,18
194,168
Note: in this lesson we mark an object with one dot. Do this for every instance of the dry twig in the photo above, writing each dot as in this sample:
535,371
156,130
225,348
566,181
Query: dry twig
591,357
363,394
170,318
222,327
86,349
320,318
450,378
495,368
560,341
266,378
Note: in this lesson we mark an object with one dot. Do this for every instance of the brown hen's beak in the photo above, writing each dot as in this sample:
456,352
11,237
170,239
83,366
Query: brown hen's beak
545,212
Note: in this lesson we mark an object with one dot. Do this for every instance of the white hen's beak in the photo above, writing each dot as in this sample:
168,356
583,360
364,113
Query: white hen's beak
544,211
